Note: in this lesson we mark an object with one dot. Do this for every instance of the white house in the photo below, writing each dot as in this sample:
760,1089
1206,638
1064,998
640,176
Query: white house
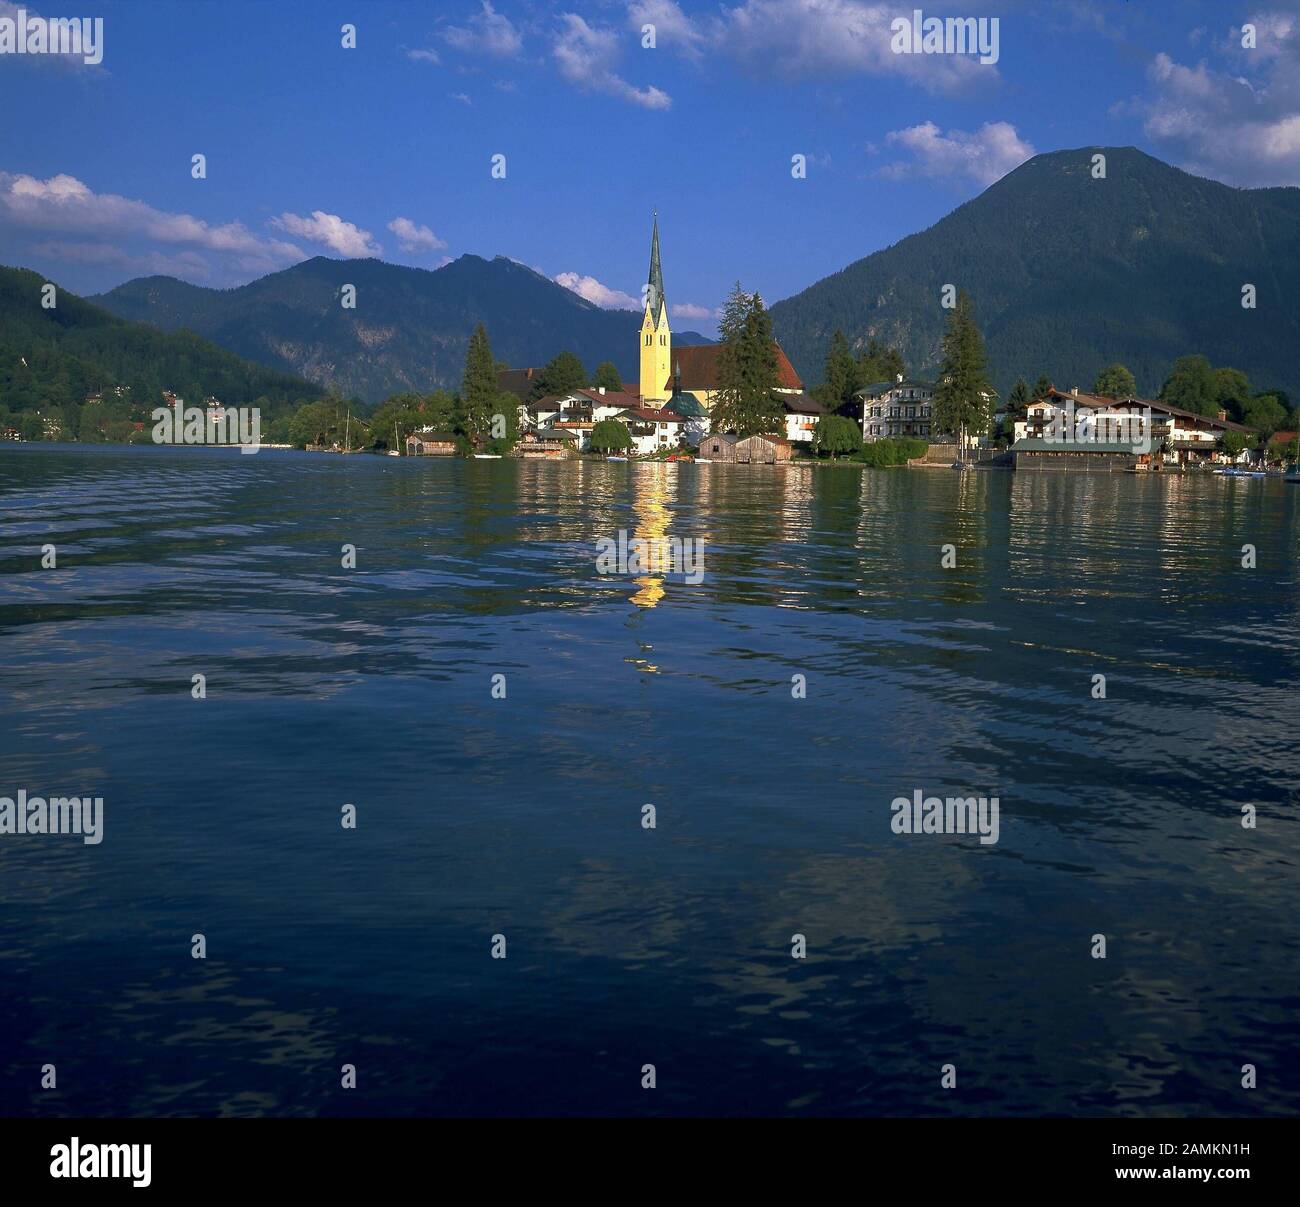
896,408
653,430
802,415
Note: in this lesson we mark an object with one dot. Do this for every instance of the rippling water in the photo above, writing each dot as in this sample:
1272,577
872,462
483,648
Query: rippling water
521,816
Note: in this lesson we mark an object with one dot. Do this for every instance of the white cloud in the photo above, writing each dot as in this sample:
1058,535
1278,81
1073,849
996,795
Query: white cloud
424,56
1239,123
806,39
982,156
583,53
488,32
674,30
65,204
688,310
595,292
329,230
414,239
463,97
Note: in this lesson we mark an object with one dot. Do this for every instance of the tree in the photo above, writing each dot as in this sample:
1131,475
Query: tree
478,388
1233,444
963,400
1019,399
610,436
1115,381
561,375
1264,413
1192,385
607,376
1042,388
1233,389
836,434
734,310
747,369
891,360
840,375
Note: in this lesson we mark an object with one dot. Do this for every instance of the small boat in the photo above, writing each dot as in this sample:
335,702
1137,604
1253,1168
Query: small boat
396,450
616,458
487,456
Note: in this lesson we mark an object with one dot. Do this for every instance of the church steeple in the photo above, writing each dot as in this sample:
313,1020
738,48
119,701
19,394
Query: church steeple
655,295
656,336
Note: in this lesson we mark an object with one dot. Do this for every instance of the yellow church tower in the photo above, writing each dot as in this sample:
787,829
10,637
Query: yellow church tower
656,338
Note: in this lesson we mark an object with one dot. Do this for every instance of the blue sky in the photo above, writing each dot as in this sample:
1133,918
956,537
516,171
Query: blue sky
386,149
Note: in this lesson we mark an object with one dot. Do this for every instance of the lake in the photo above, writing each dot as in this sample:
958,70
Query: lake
825,664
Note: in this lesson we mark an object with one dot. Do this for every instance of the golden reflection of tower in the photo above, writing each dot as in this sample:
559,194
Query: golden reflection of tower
655,485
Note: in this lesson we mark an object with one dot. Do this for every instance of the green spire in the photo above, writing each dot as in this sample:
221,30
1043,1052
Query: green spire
655,296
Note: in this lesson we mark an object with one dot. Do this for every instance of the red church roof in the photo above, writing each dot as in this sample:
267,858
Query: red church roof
699,367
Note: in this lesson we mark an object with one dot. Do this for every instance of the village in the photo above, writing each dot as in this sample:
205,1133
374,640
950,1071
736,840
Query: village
669,416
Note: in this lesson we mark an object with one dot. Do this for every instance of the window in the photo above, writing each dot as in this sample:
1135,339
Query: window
647,341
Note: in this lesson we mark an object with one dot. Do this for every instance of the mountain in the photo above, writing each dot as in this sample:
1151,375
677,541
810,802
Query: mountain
56,356
1070,273
410,327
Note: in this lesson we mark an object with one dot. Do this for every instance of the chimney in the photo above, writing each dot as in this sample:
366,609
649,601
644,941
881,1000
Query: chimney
898,377
601,389
1222,414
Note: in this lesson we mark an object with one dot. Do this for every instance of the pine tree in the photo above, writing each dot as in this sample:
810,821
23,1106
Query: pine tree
1020,398
841,372
963,400
747,367
892,362
478,389
1042,387
734,310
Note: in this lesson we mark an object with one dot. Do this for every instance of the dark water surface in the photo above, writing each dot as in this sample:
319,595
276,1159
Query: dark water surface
521,816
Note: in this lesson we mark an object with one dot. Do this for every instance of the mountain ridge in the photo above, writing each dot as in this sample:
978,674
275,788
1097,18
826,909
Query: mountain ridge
1069,273
410,327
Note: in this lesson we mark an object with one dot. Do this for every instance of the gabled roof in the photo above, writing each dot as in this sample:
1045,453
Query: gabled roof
876,388
1104,402
649,415
727,436
802,404
764,436
611,398
700,371
518,382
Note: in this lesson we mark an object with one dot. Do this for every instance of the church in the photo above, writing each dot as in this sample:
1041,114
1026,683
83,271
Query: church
687,380
671,404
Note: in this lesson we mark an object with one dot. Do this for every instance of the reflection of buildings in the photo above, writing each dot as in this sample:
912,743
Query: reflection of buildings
654,488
